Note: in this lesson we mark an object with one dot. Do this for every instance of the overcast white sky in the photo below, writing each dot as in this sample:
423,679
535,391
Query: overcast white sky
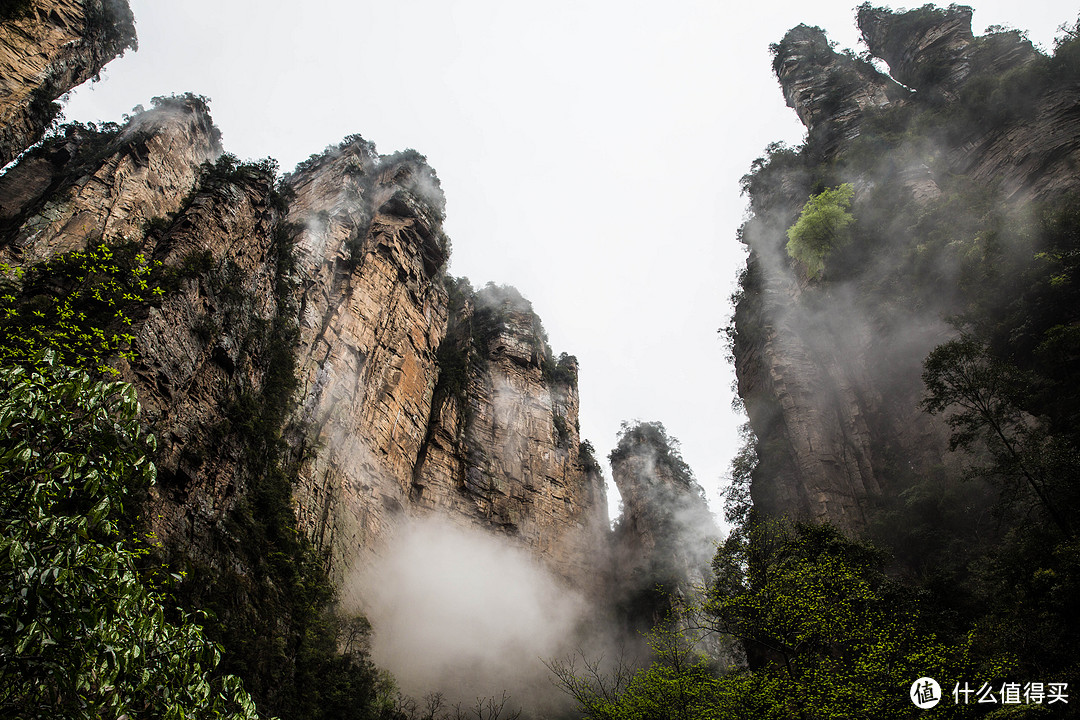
590,152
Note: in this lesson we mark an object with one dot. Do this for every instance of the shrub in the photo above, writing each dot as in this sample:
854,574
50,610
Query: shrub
822,226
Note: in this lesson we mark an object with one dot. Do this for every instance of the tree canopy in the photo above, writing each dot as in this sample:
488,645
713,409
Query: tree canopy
82,635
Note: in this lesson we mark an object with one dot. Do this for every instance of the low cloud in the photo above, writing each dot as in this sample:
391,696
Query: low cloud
464,612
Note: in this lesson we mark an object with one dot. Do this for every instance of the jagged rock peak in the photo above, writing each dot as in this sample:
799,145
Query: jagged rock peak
342,190
932,49
829,90
664,538
509,327
649,443
356,157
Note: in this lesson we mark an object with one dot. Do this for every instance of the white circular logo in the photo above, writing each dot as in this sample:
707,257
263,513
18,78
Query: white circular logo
925,693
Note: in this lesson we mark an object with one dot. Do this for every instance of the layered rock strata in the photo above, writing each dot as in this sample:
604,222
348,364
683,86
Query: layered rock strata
46,50
503,447
372,313
829,91
104,184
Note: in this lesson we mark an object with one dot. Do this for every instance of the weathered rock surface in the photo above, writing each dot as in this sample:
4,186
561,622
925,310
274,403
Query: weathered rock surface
200,351
504,450
404,405
664,541
55,46
367,294
829,91
372,309
90,185
934,51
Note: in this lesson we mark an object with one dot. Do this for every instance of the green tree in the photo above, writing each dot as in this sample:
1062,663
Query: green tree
818,616
677,685
81,633
822,226
983,396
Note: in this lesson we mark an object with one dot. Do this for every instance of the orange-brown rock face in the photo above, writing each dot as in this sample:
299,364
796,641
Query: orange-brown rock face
46,51
372,309
356,267
89,185
366,292
378,443
503,449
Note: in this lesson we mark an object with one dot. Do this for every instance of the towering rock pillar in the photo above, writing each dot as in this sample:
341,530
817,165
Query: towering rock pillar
503,446
372,309
829,366
666,537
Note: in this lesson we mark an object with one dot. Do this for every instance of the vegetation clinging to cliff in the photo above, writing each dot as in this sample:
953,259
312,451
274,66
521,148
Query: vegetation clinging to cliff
651,439
80,305
986,538
821,227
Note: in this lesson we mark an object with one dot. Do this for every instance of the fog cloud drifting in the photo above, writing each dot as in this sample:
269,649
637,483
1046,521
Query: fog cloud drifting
462,611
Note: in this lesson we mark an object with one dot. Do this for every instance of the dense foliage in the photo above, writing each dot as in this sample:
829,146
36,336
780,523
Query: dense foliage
82,634
827,634
80,305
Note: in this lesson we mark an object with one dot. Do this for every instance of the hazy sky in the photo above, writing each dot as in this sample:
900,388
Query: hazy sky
590,153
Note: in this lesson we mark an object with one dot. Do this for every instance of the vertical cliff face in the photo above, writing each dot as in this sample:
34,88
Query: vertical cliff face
665,539
503,447
204,352
356,266
46,49
372,310
197,349
829,367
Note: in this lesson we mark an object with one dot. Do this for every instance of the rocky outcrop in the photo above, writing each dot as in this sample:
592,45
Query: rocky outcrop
47,49
307,328
1027,145
201,352
830,91
832,396
357,266
829,369
104,183
934,51
664,540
